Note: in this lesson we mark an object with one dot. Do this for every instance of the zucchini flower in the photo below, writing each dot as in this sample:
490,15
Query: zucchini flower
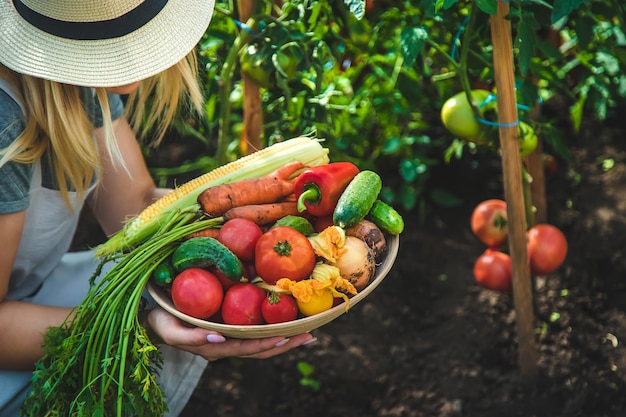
329,243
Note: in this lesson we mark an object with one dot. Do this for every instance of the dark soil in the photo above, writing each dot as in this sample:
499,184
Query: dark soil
429,342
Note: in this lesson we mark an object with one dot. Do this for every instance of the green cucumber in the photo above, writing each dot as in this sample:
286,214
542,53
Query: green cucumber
386,218
357,199
299,223
164,273
205,252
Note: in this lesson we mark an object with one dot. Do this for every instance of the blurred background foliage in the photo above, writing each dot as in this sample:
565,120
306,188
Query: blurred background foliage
370,77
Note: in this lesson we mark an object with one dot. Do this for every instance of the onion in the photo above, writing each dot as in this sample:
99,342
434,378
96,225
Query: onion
357,263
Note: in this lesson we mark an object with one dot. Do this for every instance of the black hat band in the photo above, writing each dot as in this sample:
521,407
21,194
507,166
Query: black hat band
96,30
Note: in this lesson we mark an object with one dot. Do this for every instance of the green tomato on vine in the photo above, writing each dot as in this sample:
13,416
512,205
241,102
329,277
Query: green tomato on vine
459,118
527,138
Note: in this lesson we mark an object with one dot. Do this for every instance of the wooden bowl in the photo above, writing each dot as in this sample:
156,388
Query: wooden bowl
291,328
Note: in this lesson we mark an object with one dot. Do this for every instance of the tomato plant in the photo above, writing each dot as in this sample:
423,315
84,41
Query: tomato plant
242,304
493,270
286,61
197,293
279,308
320,301
283,252
489,222
255,66
240,236
547,248
527,138
458,116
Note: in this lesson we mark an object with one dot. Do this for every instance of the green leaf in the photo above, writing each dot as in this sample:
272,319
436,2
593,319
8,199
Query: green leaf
412,41
563,8
488,6
446,4
525,44
357,7
585,28
576,112
305,368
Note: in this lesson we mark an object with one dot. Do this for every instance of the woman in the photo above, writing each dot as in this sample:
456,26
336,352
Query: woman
66,140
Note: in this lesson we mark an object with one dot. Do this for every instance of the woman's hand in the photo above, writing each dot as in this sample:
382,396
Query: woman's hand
213,346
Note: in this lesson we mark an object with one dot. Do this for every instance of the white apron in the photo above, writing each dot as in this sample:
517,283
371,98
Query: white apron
45,274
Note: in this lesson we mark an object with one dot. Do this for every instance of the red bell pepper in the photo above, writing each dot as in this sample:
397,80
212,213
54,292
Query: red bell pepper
318,188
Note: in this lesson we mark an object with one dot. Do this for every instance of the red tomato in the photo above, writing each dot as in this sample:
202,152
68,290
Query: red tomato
242,304
547,248
492,270
197,292
240,236
279,308
283,252
489,222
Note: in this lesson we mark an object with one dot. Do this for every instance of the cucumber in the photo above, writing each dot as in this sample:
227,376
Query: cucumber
164,273
299,223
386,218
357,199
204,252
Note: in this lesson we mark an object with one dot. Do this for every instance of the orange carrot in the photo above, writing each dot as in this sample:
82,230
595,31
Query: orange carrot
263,214
216,201
208,232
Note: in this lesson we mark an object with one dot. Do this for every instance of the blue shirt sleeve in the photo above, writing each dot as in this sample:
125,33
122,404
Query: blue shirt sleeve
14,177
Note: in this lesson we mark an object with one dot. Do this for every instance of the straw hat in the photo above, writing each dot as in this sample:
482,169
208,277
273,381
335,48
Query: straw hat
99,43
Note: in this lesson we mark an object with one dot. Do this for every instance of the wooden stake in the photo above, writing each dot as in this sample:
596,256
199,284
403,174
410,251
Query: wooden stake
250,140
512,174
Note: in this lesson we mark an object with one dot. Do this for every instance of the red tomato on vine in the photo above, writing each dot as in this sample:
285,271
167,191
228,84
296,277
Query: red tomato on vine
492,270
489,222
547,248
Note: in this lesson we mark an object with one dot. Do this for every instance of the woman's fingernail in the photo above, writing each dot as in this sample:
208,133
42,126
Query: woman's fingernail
215,338
282,342
308,342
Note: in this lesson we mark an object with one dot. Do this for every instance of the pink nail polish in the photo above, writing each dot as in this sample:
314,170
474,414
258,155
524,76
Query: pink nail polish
282,342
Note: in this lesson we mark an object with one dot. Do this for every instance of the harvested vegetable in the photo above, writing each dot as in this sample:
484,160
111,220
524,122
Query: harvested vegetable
329,243
318,188
263,214
324,278
283,252
371,234
357,199
356,264
215,201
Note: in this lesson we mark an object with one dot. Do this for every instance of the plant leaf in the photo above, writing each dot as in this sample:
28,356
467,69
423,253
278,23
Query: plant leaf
357,7
563,8
412,41
488,6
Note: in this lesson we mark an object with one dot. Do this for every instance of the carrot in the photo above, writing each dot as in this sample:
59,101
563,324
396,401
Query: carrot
215,201
263,214
208,232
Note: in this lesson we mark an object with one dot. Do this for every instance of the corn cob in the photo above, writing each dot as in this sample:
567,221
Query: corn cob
140,228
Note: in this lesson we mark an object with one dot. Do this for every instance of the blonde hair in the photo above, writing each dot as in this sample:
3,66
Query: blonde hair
56,121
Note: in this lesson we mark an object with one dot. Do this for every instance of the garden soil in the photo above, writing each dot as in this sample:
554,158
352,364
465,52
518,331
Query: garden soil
428,342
